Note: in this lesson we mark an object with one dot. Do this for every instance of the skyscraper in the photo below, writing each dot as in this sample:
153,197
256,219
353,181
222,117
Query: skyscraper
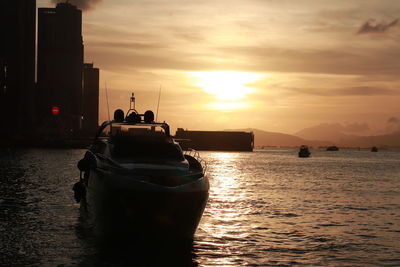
60,67
17,66
90,99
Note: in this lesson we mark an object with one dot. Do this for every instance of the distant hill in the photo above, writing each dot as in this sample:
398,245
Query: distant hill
326,131
340,135
389,140
264,138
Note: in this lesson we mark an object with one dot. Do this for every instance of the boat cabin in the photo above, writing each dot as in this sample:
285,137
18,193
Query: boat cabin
136,139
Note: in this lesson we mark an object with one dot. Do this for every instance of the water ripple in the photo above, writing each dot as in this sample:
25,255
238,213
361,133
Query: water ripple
267,208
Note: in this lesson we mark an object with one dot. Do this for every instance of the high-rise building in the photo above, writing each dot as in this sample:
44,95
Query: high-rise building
60,68
17,66
90,99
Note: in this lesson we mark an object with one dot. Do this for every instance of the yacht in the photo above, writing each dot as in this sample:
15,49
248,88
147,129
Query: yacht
304,152
136,180
332,148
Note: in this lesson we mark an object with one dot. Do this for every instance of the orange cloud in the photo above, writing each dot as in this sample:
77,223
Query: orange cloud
371,26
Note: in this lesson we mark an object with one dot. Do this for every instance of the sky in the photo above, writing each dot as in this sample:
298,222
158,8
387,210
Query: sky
274,65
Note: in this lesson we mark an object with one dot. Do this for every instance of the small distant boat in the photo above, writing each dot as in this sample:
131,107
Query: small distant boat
332,148
304,152
374,149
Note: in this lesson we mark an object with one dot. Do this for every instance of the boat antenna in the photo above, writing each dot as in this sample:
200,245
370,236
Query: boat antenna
108,107
132,102
158,103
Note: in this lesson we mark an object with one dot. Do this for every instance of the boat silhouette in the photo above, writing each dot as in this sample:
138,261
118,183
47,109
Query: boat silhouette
137,181
304,152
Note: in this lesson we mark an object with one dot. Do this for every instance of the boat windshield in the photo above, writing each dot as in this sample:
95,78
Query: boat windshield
119,129
141,141
145,147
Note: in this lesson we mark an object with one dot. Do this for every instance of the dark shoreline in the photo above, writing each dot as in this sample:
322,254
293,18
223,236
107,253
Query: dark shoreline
85,142
73,143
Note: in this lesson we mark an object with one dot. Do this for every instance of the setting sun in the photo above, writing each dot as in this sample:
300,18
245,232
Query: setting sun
226,85
227,105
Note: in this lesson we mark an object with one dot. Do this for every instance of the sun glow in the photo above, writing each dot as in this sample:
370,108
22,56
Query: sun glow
226,85
227,105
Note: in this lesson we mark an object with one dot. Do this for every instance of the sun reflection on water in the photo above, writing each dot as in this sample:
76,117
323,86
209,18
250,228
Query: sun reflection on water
225,178
232,224
226,212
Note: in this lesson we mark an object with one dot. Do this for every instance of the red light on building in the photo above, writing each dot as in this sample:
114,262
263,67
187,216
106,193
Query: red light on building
55,110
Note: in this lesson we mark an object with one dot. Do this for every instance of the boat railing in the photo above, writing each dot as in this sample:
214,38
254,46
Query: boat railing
195,154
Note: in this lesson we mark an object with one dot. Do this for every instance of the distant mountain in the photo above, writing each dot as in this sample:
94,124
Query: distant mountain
389,140
333,132
343,135
264,138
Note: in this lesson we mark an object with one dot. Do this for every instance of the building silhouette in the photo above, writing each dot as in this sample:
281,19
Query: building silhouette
90,99
17,66
60,70
216,140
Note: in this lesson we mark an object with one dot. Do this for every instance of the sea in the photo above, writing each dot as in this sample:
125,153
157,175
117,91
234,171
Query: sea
266,208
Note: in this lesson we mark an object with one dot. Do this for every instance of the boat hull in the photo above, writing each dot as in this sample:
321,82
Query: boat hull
304,154
124,206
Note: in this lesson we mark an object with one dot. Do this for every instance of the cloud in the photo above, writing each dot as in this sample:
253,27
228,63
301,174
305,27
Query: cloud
81,4
355,61
394,120
371,26
393,125
133,46
365,91
346,91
